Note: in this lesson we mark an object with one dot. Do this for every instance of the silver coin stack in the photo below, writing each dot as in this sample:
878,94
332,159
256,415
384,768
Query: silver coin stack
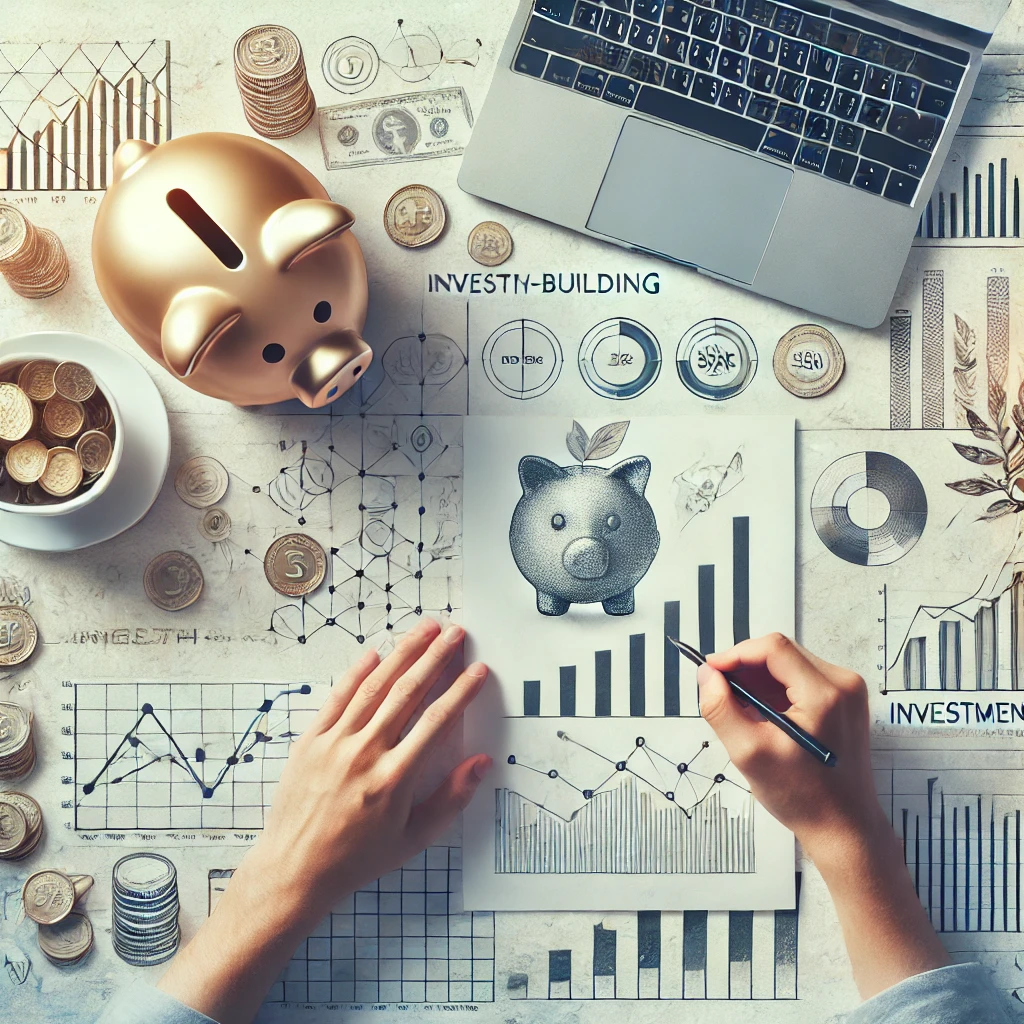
145,909
17,748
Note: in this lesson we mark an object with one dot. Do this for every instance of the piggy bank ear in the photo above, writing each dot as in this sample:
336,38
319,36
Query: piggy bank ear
195,319
129,154
634,473
534,472
299,227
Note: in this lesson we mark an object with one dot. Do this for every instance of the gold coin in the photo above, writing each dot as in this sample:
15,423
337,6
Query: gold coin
33,818
68,940
414,216
63,418
36,380
215,525
94,449
18,635
267,52
48,896
97,413
490,243
201,481
173,580
74,382
808,361
16,413
26,461
295,565
63,473
13,827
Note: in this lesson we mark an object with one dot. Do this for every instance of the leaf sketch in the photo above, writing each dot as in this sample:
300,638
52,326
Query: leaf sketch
964,370
696,489
576,441
607,440
979,456
974,487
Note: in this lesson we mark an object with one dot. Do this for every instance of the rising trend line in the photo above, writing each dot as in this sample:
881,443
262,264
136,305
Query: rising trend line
683,769
241,753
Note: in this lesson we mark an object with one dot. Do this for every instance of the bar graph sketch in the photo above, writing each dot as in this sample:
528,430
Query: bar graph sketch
973,644
960,827
65,108
654,954
632,665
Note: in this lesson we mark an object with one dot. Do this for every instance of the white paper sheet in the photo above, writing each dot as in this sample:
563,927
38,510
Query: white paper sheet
643,810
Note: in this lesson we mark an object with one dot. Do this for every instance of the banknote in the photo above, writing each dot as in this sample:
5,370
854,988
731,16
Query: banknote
414,126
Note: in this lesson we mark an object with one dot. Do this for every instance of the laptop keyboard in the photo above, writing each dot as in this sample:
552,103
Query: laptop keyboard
819,88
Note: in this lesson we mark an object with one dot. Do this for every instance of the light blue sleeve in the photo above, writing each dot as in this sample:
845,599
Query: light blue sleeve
142,1004
961,994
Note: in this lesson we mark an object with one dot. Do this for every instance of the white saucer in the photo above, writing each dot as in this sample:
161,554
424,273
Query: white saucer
144,461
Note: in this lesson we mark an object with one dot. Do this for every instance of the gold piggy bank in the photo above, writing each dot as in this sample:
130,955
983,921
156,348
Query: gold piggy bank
226,261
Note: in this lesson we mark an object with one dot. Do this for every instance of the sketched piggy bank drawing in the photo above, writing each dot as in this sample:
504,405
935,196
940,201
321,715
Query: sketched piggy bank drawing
583,534
227,262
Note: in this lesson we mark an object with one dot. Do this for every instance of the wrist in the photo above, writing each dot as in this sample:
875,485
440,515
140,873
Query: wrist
843,847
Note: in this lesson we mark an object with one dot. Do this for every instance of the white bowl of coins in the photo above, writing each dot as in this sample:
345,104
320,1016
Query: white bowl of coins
61,435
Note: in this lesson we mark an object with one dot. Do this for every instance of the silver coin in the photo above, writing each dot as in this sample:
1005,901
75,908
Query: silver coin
15,727
808,361
350,65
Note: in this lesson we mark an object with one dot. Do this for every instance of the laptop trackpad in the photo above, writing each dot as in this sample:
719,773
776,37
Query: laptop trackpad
691,200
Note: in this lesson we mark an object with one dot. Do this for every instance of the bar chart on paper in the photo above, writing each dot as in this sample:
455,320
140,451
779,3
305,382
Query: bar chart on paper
697,954
960,827
642,676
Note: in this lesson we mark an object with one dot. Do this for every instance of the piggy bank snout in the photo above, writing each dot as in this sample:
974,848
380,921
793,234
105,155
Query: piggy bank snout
585,558
335,363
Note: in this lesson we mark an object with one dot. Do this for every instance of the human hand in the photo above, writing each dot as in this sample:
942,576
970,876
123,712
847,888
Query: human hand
827,808
343,811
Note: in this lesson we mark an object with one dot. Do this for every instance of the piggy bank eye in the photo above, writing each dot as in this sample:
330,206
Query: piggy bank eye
273,353
613,522
558,521
322,312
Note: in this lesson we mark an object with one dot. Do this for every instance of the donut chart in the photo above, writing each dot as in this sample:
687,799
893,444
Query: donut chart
878,545
619,358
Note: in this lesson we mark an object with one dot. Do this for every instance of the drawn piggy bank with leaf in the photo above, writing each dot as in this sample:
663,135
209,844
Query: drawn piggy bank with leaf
226,261
585,534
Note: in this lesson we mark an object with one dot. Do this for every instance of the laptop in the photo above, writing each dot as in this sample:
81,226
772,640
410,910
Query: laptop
786,147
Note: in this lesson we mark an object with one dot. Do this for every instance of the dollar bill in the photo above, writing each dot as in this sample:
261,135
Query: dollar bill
415,126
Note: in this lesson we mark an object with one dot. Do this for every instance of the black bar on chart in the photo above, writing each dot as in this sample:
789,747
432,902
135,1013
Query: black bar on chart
637,674
602,684
785,950
648,950
695,954
531,697
559,972
671,658
567,691
741,953
740,578
604,951
706,608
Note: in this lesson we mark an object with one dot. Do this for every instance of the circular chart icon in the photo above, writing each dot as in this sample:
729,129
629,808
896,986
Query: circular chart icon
522,359
716,359
869,508
620,358
350,66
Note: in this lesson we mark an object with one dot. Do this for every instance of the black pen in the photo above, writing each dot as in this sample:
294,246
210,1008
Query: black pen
787,725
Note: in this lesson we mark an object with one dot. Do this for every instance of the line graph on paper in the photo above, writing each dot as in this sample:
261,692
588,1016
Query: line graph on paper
639,812
181,756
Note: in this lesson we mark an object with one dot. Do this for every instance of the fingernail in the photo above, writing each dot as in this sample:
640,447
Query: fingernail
482,767
477,670
703,674
453,634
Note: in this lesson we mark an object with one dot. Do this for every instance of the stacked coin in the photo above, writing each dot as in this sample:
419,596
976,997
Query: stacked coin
21,826
145,909
271,78
67,942
56,431
31,259
17,748
48,898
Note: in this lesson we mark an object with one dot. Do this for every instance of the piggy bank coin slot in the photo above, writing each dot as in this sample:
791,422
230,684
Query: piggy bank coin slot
206,229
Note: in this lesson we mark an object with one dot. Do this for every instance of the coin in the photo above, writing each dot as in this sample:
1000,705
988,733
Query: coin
414,216
74,382
271,77
63,473
82,884
97,413
26,461
808,361
201,481
32,259
13,229
94,449
13,827
34,820
67,941
215,525
295,565
490,243
63,418
36,380
16,413
350,64
15,727
18,635
173,580
48,896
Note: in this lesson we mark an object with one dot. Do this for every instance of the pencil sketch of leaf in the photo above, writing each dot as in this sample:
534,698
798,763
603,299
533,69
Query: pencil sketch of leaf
1000,508
965,370
576,441
607,440
974,487
979,456
979,428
